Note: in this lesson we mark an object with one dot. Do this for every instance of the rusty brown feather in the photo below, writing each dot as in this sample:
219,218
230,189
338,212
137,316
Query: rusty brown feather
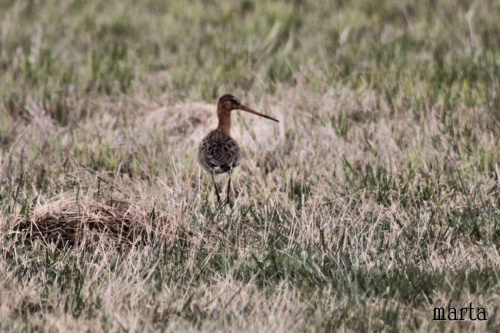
219,152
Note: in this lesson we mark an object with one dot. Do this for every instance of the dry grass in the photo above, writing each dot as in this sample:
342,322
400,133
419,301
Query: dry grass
375,199
97,209
314,207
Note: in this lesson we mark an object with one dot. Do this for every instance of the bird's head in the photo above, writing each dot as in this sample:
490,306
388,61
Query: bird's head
228,102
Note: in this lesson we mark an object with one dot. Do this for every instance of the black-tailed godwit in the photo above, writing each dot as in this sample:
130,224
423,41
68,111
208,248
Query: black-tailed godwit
219,152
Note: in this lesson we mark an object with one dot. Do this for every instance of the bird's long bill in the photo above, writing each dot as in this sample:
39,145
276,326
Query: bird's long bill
247,109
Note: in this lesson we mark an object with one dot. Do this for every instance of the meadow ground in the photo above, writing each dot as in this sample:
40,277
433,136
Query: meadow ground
373,201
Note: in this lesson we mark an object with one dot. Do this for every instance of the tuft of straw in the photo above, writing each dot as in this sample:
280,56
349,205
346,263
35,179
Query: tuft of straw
98,210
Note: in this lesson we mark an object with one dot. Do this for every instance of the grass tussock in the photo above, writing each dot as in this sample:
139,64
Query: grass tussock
99,209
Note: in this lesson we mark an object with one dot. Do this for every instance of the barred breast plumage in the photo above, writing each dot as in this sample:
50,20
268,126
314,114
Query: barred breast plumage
218,153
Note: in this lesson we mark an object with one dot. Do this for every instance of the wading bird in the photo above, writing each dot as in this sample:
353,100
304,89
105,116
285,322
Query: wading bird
219,152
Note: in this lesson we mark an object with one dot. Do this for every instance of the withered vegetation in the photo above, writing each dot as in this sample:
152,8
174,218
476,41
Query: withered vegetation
375,198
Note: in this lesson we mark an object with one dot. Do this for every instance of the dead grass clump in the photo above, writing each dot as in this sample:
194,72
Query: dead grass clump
102,210
178,119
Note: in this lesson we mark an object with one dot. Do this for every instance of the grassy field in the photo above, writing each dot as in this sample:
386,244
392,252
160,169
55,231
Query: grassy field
375,199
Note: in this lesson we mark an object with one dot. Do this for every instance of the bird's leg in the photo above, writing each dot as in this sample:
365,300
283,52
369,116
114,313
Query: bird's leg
229,187
216,189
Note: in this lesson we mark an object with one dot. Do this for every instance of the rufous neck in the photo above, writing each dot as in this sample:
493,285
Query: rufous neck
225,122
